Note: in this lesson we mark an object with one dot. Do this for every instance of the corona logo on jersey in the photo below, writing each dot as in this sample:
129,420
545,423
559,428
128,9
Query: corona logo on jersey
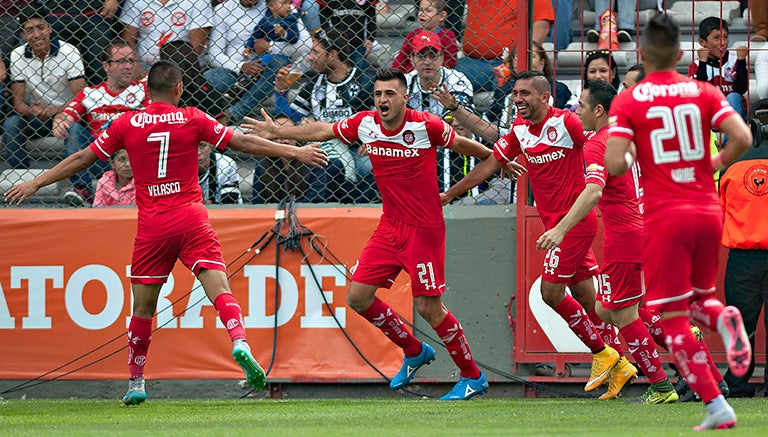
142,119
646,92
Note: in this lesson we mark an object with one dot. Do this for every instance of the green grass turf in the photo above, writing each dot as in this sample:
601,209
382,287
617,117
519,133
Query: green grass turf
366,417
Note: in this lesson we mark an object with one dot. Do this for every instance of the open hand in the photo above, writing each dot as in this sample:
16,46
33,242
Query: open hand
265,129
313,155
18,193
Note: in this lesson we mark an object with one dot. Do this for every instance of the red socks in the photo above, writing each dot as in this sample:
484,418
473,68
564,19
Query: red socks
690,357
139,337
607,332
381,316
452,335
651,322
574,314
231,315
643,350
706,312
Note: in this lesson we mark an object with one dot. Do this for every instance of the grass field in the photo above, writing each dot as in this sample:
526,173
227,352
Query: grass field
366,417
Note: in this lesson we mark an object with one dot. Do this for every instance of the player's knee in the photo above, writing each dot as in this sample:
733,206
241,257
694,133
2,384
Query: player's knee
358,303
552,293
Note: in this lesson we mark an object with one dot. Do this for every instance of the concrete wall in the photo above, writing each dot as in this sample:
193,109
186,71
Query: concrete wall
480,274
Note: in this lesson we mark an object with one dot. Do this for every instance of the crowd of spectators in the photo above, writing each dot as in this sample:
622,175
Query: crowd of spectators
60,60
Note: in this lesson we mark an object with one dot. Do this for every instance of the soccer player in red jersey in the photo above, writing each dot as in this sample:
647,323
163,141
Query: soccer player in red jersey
668,117
620,283
411,235
162,142
552,142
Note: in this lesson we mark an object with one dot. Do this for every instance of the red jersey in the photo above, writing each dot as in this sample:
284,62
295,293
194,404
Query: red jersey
669,117
98,104
403,162
621,204
555,155
162,143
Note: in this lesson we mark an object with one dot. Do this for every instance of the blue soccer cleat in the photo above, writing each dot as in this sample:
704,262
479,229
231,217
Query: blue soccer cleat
411,365
466,388
136,393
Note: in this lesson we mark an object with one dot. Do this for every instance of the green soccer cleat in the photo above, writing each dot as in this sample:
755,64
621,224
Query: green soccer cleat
657,396
254,374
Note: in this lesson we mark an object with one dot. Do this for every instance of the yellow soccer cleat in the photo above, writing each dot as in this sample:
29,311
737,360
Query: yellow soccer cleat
622,374
602,364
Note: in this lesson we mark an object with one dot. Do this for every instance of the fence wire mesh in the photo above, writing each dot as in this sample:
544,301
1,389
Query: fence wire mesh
67,71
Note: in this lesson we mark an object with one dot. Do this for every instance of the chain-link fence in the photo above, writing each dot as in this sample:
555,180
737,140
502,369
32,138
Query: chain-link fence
66,78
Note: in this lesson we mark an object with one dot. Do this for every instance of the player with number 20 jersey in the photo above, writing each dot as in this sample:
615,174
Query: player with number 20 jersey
669,117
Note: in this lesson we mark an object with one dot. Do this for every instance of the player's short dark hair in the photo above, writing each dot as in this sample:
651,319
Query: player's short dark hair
386,74
600,93
31,11
163,77
334,39
540,82
711,24
640,68
661,41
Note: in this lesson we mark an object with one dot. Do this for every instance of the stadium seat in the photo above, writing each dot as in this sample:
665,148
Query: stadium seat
690,13
246,173
11,177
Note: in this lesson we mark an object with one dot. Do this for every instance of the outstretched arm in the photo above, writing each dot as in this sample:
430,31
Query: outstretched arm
70,166
254,145
581,207
470,147
314,131
739,139
477,175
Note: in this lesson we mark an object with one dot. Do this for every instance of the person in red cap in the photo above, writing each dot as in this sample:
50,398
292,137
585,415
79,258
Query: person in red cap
430,75
431,17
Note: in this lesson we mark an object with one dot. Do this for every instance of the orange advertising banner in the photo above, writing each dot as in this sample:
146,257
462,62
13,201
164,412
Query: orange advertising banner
65,299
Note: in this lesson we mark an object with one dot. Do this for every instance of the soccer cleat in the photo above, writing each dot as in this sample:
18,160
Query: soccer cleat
622,374
466,388
723,419
602,364
654,396
254,374
136,393
737,347
411,365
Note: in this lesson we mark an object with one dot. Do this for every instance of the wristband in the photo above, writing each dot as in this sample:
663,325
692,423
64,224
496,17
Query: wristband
455,107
